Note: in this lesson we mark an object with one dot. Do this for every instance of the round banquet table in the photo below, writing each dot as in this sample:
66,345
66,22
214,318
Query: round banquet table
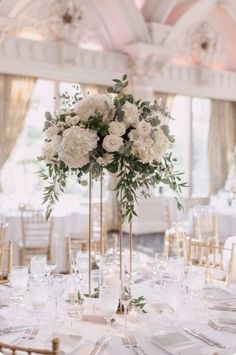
143,327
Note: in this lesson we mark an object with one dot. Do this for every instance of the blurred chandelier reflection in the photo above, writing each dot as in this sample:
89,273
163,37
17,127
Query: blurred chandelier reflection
67,19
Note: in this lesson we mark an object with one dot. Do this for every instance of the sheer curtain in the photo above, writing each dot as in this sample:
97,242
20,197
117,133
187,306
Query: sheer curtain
166,100
93,89
222,139
15,93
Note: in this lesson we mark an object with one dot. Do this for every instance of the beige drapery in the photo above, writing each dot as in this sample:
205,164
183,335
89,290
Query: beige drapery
89,89
222,139
15,94
166,100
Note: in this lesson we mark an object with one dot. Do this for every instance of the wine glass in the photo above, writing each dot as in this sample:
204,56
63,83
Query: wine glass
38,267
19,279
126,297
51,266
57,289
75,311
39,297
108,301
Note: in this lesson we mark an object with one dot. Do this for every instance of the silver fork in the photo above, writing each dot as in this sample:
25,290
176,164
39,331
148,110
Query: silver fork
133,342
219,327
127,344
34,333
24,336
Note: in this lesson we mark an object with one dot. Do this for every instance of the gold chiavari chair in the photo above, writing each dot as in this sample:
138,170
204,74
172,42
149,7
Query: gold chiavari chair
175,241
76,245
205,224
3,232
17,349
217,261
5,260
36,234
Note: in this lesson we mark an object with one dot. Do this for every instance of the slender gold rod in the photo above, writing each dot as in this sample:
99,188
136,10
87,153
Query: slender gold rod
90,232
130,249
120,233
101,214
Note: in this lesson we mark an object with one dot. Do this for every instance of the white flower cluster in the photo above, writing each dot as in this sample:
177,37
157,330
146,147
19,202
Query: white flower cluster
95,104
70,140
149,144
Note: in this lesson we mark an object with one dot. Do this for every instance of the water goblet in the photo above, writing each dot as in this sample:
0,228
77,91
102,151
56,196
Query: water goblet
19,278
75,311
38,266
39,297
108,301
57,289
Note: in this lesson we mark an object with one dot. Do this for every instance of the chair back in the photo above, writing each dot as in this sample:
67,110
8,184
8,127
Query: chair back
212,258
35,228
205,224
5,260
175,241
17,349
228,245
3,232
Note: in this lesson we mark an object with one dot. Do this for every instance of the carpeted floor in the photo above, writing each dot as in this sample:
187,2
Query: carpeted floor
146,243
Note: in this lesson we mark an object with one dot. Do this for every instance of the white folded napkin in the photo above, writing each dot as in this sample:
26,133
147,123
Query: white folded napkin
174,342
227,318
68,343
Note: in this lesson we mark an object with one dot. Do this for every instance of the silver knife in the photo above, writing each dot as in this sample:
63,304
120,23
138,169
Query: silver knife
196,335
103,347
97,345
213,341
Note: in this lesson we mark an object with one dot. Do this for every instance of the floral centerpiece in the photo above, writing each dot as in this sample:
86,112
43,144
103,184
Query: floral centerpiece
109,132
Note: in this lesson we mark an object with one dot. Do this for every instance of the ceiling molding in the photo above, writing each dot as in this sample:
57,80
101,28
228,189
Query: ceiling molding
195,14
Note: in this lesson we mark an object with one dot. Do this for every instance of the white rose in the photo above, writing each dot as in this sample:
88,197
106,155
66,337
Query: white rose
51,131
144,128
56,144
76,144
72,120
112,143
105,160
117,128
133,135
131,117
47,150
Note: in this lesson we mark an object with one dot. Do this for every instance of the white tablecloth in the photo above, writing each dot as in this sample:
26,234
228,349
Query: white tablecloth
144,327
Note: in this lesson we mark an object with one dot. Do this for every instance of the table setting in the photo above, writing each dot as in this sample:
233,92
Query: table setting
172,311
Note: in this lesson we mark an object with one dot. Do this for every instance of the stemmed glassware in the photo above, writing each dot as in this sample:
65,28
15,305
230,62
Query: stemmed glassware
57,289
38,267
108,301
126,296
75,311
39,297
19,280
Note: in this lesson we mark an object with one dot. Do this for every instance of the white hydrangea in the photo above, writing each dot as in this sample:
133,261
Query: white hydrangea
76,145
143,149
131,117
112,143
56,144
162,143
144,129
47,150
117,128
92,104
105,160
51,131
